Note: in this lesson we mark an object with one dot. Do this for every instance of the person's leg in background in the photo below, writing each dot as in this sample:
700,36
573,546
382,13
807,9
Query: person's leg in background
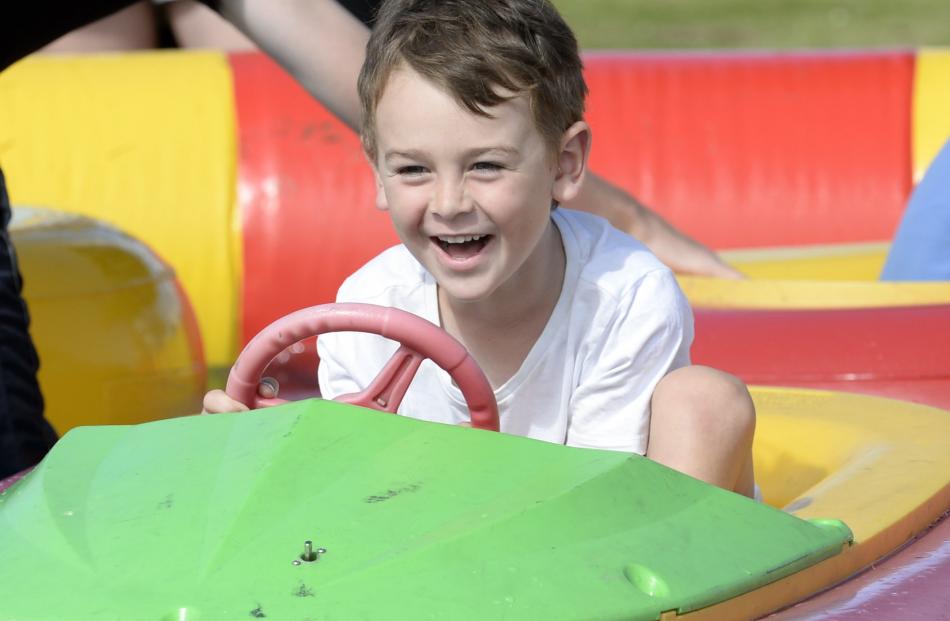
25,436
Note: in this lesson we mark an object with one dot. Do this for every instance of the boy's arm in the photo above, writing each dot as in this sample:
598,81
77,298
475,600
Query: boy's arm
648,335
680,252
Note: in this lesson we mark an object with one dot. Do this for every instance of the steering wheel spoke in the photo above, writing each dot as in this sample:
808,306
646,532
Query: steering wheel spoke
386,391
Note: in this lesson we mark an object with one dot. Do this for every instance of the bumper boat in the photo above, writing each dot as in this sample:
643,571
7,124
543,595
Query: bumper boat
324,510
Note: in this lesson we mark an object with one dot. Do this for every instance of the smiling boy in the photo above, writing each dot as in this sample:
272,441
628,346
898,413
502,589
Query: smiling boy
473,123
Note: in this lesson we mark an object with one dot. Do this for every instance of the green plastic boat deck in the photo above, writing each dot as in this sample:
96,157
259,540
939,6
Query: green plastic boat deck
206,517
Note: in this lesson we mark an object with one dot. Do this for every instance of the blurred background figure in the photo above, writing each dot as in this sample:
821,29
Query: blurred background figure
169,23
151,24
921,247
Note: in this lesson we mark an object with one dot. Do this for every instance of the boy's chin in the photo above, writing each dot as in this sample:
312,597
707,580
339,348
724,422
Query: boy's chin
463,293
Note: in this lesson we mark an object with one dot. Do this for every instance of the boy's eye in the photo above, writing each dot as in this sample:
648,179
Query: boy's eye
411,171
487,166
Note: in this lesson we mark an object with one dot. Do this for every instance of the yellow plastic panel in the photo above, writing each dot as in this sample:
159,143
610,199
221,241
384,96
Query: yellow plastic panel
821,262
802,294
117,340
866,460
145,142
837,276
880,465
931,124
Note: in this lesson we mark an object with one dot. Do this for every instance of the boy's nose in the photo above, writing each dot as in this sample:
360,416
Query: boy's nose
451,199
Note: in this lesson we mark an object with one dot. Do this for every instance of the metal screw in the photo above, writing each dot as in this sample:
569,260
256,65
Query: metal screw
309,554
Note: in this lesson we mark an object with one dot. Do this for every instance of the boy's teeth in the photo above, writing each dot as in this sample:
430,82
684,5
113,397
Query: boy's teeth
459,239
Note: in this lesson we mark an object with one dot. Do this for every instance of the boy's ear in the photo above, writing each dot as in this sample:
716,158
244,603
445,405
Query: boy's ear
381,203
571,162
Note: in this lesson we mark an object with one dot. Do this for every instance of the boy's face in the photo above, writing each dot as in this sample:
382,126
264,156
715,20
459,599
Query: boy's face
470,196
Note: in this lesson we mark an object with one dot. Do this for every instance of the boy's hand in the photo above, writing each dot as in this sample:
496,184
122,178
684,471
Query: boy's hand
218,401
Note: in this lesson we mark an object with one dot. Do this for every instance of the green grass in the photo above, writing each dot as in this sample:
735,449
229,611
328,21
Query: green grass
757,23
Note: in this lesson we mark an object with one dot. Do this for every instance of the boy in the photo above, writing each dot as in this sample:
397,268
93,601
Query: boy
473,123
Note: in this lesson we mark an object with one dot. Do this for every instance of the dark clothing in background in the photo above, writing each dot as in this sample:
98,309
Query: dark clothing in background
25,436
363,10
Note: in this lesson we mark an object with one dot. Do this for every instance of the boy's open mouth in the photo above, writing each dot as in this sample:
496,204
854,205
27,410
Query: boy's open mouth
461,246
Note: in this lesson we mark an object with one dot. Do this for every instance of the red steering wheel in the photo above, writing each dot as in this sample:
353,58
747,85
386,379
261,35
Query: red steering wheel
418,339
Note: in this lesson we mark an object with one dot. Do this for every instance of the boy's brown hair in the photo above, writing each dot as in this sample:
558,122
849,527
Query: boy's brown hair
474,48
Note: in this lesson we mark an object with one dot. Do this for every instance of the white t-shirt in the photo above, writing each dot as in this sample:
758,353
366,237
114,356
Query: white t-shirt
620,324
